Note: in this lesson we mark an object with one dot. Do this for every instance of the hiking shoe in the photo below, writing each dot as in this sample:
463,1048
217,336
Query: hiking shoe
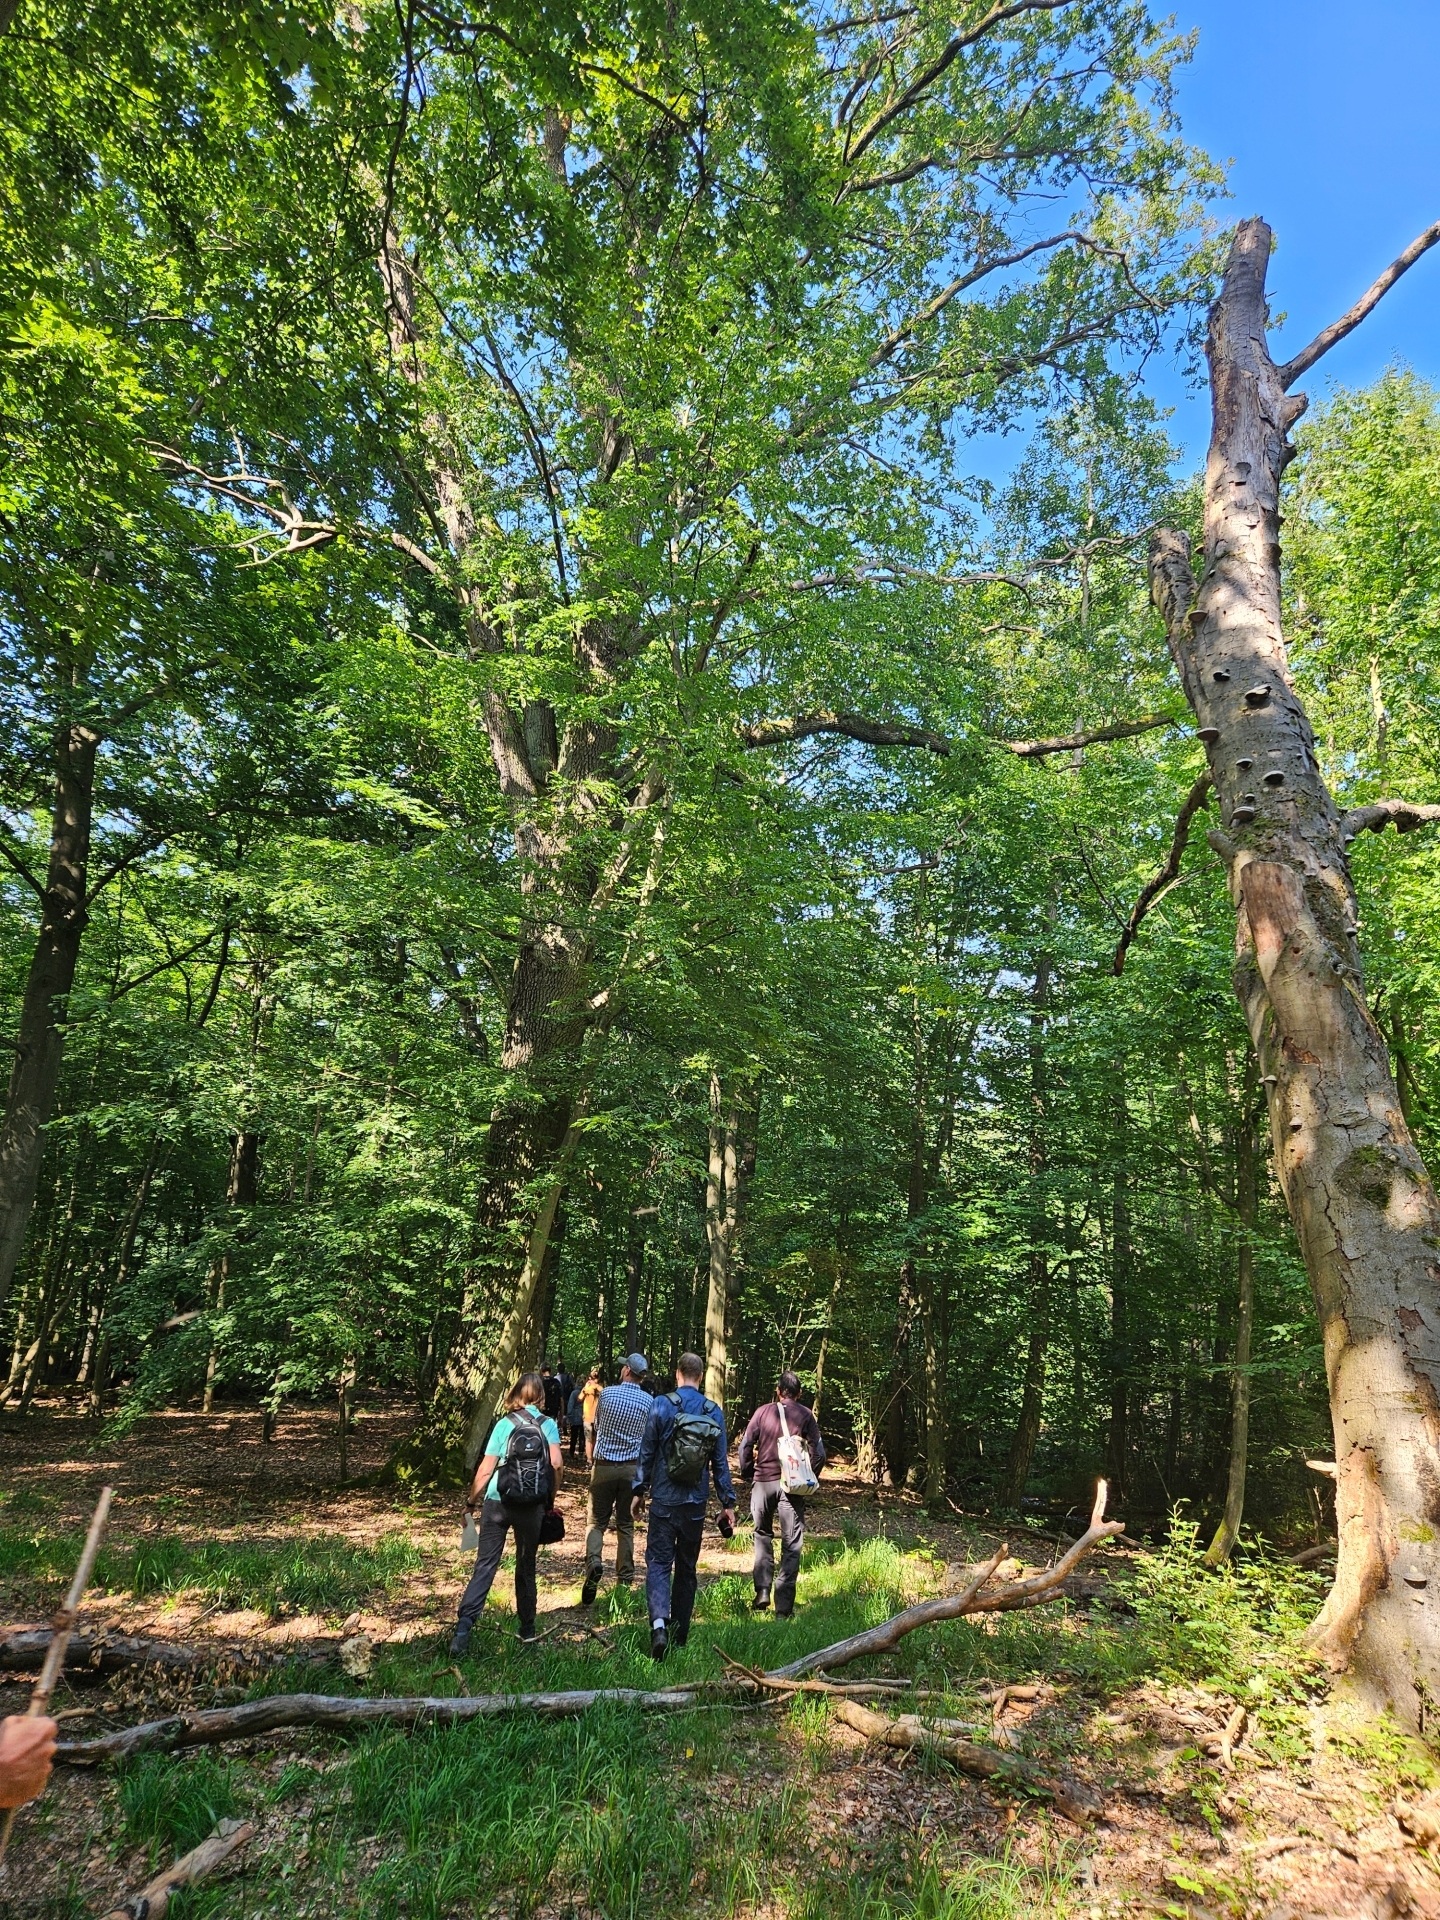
590,1589
659,1642
784,1613
761,1603
678,1638
460,1640
527,1635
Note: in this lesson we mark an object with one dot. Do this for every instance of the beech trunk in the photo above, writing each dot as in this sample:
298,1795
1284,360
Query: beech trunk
40,1043
1364,1209
733,1127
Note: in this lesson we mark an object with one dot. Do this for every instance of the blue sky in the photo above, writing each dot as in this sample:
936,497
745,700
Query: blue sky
1330,113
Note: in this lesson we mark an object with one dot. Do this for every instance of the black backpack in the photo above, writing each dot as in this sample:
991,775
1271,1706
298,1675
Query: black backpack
526,1478
691,1445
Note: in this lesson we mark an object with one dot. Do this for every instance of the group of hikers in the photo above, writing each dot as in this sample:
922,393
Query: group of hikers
648,1453
644,1449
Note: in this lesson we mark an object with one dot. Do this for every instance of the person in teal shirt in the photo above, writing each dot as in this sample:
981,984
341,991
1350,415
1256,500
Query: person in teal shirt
499,1517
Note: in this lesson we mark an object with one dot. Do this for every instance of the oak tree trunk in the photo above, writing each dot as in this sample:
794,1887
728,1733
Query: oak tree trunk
1364,1209
40,1043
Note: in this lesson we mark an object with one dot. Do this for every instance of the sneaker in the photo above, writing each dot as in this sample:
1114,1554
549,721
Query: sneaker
527,1635
659,1642
590,1589
761,1603
460,1640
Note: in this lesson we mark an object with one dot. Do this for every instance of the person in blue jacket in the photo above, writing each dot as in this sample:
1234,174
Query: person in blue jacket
674,1445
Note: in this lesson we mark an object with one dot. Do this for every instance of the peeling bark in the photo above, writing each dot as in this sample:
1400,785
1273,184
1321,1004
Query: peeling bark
1365,1212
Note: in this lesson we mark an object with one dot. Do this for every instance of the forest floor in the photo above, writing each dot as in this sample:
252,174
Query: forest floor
771,1812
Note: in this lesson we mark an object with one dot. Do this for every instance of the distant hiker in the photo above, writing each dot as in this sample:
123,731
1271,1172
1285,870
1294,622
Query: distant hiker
519,1476
684,1443
565,1380
622,1411
553,1400
590,1407
575,1420
27,1748
783,1451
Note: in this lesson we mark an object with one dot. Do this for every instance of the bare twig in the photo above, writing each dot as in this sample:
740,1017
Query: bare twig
1153,889
61,1628
1347,323
1070,742
854,726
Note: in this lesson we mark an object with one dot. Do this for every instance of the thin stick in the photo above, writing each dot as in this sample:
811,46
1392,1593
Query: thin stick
62,1626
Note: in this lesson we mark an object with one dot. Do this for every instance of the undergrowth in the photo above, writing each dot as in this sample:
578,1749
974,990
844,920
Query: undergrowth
284,1576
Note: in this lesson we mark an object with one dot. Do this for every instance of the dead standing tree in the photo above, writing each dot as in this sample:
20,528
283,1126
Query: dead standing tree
1364,1209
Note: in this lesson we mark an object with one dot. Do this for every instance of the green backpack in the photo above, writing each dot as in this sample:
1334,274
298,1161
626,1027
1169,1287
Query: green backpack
691,1445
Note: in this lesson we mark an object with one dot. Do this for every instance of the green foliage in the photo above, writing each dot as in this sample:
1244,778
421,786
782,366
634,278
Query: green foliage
172,1804
1239,1628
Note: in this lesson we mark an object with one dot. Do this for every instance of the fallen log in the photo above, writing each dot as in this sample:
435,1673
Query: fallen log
23,1649
945,1737
208,1726
973,1599
342,1712
153,1898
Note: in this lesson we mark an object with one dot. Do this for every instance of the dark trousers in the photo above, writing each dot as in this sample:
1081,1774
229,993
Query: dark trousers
610,1496
672,1547
577,1440
496,1519
770,1502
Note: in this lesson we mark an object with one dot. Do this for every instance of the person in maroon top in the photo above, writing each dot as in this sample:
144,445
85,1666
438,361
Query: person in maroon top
760,1460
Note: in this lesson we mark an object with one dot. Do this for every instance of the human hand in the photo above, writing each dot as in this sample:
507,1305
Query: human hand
27,1748
727,1522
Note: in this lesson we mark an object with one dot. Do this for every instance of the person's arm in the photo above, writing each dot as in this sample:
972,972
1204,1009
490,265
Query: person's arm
484,1474
649,1441
747,1448
557,1464
720,1460
27,1748
817,1445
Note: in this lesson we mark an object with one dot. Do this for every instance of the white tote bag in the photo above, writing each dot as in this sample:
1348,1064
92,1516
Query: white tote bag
796,1473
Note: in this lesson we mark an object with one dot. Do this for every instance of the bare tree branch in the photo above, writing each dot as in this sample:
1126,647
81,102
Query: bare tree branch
1071,742
1347,323
1152,890
853,726
1404,815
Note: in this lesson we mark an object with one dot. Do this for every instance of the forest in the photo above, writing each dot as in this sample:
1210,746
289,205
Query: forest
609,741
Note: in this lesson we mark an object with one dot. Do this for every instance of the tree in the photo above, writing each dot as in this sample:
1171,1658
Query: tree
1364,1209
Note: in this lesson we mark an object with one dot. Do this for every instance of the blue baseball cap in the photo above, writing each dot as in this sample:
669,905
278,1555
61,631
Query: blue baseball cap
637,1363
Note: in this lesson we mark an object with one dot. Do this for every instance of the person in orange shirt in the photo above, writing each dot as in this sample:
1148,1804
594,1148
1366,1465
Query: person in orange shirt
27,1748
589,1408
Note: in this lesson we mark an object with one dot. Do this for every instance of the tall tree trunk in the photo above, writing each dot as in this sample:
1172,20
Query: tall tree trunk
1037,1345
241,1186
634,1272
40,1045
733,1126
1117,1447
1364,1210
1247,1209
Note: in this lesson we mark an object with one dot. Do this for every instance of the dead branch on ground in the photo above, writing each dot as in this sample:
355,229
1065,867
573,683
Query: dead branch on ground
23,1649
945,1737
1005,1599
153,1898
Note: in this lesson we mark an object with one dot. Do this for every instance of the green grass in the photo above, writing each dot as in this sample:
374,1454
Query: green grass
292,1575
623,1816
